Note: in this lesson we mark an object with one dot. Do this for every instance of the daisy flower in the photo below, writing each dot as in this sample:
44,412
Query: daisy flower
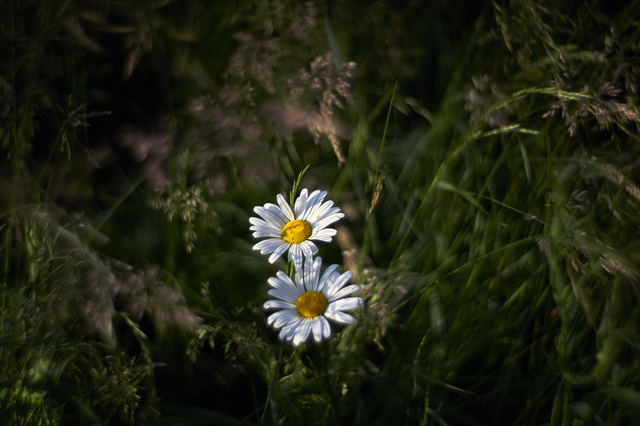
307,305
295,230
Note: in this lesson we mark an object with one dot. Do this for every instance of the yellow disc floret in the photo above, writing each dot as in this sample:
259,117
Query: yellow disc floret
311,304
296,231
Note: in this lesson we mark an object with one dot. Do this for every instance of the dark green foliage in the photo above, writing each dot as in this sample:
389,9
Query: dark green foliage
491,221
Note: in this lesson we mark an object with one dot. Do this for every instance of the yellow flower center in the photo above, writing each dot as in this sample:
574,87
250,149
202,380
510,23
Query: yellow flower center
296,231
311,304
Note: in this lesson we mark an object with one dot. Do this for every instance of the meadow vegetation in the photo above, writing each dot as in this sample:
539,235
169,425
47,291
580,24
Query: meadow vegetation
486,156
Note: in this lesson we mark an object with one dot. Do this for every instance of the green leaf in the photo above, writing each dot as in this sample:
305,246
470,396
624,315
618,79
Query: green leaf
444,384
294,188
630,400
464,194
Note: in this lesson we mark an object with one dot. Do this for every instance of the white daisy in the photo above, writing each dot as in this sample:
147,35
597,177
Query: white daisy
295,230
307,304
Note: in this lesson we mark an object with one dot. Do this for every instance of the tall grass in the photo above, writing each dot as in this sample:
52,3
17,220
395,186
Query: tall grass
491,210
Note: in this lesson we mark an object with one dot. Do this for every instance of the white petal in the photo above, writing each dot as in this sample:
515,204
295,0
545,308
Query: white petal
299,276
291,329
265,231
313,205
300,204
286,209
276,210
308,248
326,328
312,273
321,328
278,252
278,304
335,211
281,280
302,333
325,235
316,329
262,231
256,221
283,284
288,294
271,215
346,304
317,197
339,317
343,292
336,283
295,255
280,318
326,221
268,246
322,285
319,211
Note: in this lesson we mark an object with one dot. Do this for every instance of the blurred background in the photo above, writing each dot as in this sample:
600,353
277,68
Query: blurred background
485,154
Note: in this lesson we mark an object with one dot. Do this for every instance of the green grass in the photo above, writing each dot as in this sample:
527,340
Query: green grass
486,162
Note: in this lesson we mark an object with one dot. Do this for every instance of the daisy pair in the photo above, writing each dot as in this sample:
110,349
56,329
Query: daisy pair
307,300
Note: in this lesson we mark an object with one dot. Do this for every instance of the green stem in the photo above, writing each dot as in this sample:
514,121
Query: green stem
291,271
270,392
324,355
384,133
